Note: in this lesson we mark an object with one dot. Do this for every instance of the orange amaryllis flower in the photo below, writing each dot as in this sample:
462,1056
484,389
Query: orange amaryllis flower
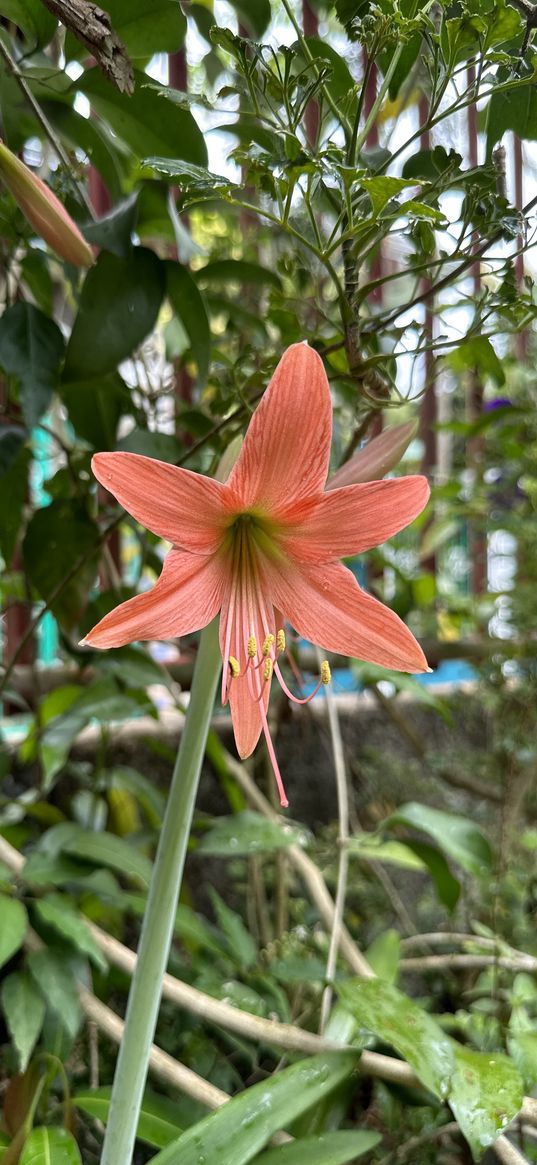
263,547
44,211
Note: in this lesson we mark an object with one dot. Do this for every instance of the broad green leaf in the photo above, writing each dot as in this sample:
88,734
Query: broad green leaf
254,14
88,134
113,232
95,408
144,790
32,18
393,1017
448,888
147,123
240,941
57,911
107,850
372,848
147,26
381,190
188,304
119,304
14,485
485,1095
57,985
134,667
477,352
249,833
327,1149
512,109
163,446
383,955
50,1146
195,183
156,1123
523,1051
238,271
24,1010
459,838
58,537
31,348
13,927
241,1128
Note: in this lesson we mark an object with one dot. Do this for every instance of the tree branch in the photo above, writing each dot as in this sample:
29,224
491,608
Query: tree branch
92,27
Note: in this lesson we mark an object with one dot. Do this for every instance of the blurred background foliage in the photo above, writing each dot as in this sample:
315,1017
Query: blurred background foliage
359,175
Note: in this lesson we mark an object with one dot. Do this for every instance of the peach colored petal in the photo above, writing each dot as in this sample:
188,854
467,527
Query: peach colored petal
326,605
353,519
376,458
186,508
187,596
287,447
245,614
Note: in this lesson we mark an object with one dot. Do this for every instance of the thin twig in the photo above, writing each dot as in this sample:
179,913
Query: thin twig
507,1153
469,962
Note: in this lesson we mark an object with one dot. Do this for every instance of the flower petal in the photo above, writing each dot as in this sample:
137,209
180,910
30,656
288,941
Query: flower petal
186,508
287,447
326,605
244,614
187,596
355,518
375,459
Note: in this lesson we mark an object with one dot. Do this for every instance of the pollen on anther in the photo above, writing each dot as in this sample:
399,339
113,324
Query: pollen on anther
267,645
267,669
252,647
234,667
280,642
326,674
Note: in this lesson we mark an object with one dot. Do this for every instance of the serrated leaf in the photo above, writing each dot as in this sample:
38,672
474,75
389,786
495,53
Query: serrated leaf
393,1017
31,349
13,927
477,352
244,834
24,1010
327,1149
57,985
119,304
57,911
50,1146
457,837
236,1132
156,1124
382,189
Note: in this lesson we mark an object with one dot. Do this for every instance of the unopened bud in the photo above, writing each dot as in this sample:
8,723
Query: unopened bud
44,211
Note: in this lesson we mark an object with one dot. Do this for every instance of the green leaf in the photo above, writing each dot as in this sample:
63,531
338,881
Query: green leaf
393,1017
196,182
13,929
381,190
95,408
88,134
156,1123
189,305
119,305
372,848
107,850
32,18
238,271
57,911
24,1010
31,348
113,232
327,1149
459,838
249,833
14,483
236,1132
163,446
57,985
512,109
12,438
486,1094
146,122
477,353
147,26
239,940
254,14
447,887
383,955
50,1146
58,537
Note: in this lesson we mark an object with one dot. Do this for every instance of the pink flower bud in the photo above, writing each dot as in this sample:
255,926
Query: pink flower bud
44,211
376,458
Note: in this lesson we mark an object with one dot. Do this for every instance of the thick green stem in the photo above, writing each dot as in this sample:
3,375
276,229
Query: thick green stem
157,929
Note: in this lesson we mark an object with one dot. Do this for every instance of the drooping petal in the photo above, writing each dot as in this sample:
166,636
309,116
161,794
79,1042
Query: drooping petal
187,596
326,605
186,508
353,519
245,614
376,458
287,447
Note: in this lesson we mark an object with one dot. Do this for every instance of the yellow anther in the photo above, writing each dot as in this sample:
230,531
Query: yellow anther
326,674
252,647
267,670
280,642
234,667
267,645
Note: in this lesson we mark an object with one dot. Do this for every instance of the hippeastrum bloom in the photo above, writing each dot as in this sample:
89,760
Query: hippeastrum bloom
44,211
263,548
